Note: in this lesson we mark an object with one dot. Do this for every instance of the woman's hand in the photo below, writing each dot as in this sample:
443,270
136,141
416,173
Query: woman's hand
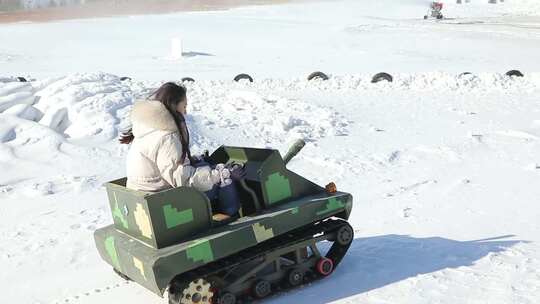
237,171
203,158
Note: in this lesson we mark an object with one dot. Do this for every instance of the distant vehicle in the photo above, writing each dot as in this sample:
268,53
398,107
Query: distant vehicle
434,11
167,242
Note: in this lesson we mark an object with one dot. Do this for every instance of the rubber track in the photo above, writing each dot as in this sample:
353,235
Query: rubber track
336,252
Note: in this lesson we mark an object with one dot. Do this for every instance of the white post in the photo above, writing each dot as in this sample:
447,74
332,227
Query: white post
176,48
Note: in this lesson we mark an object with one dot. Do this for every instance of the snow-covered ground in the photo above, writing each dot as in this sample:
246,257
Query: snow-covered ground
444,170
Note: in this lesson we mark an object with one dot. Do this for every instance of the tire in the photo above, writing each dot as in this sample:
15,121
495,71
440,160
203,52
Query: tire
324,266
319,75
226,298
516,73
440,16
22,79
425,17
175,293
262,289
345,235
243,76
467,76
174,298
382,76
295,277
188,79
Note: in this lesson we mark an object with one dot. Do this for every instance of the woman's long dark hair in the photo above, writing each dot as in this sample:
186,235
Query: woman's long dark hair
170,95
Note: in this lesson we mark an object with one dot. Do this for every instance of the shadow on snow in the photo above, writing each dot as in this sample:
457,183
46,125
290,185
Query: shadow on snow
195,54
375,262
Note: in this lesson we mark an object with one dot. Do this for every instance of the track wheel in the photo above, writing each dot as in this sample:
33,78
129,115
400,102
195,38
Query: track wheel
345,235
226,298
295,277
262,289
197,291
325,266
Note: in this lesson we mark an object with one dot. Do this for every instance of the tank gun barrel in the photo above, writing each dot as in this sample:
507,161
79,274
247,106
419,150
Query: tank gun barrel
294,150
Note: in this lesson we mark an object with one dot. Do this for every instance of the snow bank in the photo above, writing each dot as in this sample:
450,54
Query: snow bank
84,105
59,115
77,106
97,106
14,94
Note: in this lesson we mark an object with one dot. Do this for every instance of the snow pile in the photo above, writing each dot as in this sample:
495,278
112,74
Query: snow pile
26,148
77,106
84,105
96,107
20,94
45,127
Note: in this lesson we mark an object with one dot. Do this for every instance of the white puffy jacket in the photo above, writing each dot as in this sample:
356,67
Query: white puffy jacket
154,158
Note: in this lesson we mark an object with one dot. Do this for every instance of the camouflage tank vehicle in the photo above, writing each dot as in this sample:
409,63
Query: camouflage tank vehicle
167,241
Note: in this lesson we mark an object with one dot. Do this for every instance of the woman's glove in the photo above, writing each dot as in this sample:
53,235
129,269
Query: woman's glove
215,176
224,174
204,178
237,171
201,159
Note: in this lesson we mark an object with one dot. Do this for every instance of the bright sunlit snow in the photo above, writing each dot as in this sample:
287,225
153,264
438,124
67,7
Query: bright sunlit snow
444,168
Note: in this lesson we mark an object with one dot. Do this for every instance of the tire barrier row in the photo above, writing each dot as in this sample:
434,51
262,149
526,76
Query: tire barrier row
320,76
376,78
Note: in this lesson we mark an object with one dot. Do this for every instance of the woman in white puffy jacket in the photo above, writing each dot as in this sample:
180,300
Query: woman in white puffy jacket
159,157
